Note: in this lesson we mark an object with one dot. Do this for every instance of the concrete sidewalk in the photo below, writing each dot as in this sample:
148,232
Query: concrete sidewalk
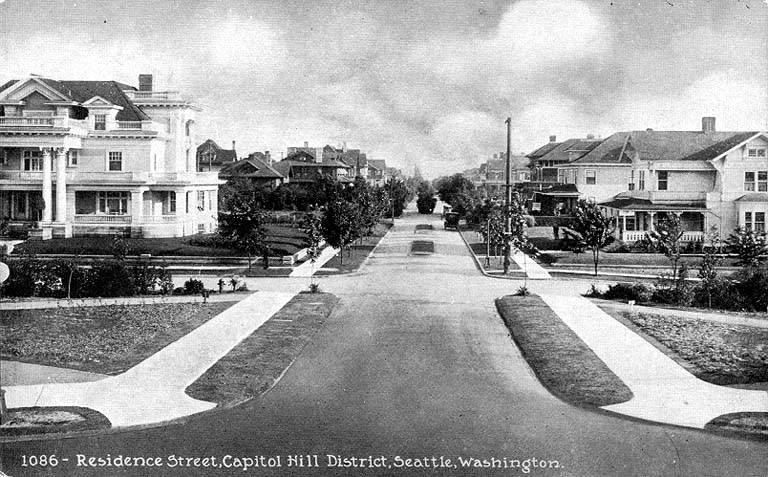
15,373
308,268
529,266
153,390
41,303
663,390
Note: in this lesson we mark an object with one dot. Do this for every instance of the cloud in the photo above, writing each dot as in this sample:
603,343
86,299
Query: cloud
245,46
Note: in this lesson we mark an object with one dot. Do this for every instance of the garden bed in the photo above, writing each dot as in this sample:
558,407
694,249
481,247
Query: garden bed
563,363
99,339
253,366
43,420
719,353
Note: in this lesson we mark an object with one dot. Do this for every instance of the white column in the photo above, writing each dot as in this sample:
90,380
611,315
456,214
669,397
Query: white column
61,185
47,186
137,206
624,226
651,215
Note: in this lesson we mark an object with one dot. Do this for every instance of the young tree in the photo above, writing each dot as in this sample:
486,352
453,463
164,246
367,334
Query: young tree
518,236
708,273
313,230
339,225
749,245
590,230
243,226
667,239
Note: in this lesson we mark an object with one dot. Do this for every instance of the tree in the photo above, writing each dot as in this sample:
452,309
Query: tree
243,227
667,239
708,273
426,198
749,245
398,196
590,230
517,239
339,224
313,230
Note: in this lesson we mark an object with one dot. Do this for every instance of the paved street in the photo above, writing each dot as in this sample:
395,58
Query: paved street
416,362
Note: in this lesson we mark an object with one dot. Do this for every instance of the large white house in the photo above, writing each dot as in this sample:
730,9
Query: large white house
101,157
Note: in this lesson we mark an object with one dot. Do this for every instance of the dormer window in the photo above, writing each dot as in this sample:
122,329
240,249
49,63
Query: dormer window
757,152
99,122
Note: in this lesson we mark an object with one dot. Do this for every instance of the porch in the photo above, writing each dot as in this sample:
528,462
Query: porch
634,225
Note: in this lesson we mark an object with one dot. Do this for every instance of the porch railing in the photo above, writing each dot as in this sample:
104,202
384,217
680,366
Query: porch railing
637,235
154,219
36,176
102,219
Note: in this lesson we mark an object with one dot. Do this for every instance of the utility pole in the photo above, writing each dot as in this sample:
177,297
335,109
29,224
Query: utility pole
508,200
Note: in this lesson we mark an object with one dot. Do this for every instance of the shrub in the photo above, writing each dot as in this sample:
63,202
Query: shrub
193,287
594,292
21,282
522,291
110,279
751,285
723,294
628,291
314,288
617,246
242,287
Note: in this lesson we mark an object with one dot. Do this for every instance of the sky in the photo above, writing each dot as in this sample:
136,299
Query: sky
427,83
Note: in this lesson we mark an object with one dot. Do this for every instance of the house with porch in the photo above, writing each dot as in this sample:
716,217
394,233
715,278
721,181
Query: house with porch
494,173
255,169
303,167
707,178
211,157
377,172
101,157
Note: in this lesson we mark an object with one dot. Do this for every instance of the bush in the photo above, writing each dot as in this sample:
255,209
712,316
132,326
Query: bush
110,279
725,295
193,287
751,285
682,295
617,246
628,291
594,292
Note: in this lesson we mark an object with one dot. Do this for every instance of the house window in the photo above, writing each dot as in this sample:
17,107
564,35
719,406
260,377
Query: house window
630,223
210,200
641,180
749,181
73,157
747,220
561,176
4,157
172,202
113,203
201,228
201,200
115,161
591,177
632,179
33,161
663,180
759,221
762,181
756,152
99,122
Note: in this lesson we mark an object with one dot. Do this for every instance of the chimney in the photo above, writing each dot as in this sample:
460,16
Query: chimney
344,146
306,143
553,138
590,136
145,82
495,156
708,124
269,157
649,129
233,144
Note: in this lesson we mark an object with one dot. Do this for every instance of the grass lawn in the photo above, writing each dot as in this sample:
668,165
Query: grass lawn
253,366
563,363
99,339
284,240
719,353
562,258
356,254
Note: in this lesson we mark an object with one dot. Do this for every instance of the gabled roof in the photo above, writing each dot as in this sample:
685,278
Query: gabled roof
378,164
518,162
222,155
82,91
666,146
250,168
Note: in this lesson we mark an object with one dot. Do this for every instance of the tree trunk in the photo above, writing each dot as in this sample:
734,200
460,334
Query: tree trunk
595,258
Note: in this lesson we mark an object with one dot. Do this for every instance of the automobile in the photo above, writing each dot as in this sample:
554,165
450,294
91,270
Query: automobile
451,221
446,209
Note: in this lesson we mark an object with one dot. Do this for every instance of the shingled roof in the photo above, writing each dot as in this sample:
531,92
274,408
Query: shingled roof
223,156
664,145
250,167
82,91
545,149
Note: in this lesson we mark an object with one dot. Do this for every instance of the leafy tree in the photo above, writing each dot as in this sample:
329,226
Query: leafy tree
708,273
312,227
518,236
590,230
426,198
749,245
491,224
667,239
398,196
339,224
243,227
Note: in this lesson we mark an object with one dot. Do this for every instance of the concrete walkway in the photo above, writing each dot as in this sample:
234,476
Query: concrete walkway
723,317
663,390
153,390
15,373
308,268
529,266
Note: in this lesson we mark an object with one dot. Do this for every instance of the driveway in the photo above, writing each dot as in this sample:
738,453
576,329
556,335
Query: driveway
415,362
